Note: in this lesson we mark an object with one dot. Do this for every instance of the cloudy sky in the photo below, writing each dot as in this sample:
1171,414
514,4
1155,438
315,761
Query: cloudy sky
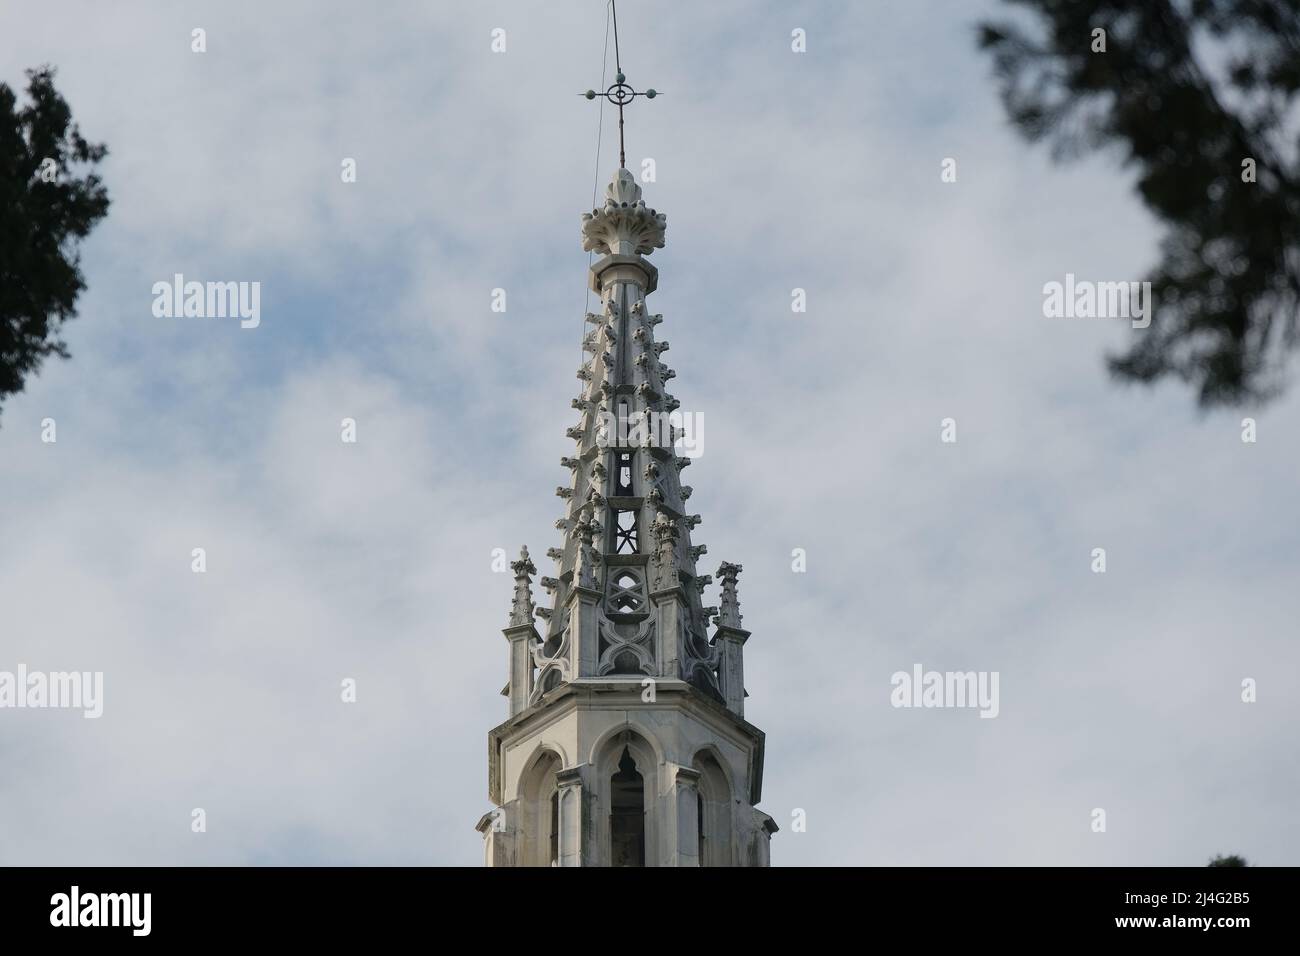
373,561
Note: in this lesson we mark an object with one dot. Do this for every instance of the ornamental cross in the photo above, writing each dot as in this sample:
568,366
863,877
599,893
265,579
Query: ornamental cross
620,93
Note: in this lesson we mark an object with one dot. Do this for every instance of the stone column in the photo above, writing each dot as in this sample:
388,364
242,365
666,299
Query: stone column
521,633
731,667
584,636
667,597
572,817
522,638
686,849
731,637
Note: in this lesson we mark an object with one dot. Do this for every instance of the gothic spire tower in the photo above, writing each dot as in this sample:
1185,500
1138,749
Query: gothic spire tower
626,742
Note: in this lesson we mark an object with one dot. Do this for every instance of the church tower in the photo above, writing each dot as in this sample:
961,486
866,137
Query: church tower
626,742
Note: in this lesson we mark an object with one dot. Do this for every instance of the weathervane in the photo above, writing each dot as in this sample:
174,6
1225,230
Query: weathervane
620,94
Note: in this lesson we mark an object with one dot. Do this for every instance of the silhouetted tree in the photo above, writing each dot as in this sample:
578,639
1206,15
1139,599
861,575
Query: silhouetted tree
46,209
1228,861
1196,94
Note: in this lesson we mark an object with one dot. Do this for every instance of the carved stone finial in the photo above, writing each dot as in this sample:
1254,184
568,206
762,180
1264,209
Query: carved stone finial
624,226
729,615
585,572
622,190
665,563
522,607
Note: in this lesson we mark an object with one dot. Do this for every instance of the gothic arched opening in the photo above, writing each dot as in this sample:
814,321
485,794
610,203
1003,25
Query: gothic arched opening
627,814
715,829
538,811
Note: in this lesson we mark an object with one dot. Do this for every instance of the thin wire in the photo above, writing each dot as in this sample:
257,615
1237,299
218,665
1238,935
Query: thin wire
600,128
617,64
595,178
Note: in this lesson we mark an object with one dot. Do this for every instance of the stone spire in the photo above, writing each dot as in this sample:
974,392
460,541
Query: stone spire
729,616
522,607
626,742
626,597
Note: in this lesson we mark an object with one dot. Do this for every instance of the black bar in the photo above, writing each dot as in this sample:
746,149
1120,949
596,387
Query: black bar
509,907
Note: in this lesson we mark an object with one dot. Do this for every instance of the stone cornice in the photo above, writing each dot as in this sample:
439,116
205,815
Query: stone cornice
738,634
612,268
569,777
622,694
517,631
689,776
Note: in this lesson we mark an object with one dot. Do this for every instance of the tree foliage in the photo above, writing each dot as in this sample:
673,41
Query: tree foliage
50,199
1188,92
1233,860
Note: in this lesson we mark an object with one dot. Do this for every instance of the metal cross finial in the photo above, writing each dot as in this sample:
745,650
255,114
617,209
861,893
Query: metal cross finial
620,94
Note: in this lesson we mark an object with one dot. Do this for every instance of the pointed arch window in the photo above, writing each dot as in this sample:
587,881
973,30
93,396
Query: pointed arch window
627,814
538,816
716,832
